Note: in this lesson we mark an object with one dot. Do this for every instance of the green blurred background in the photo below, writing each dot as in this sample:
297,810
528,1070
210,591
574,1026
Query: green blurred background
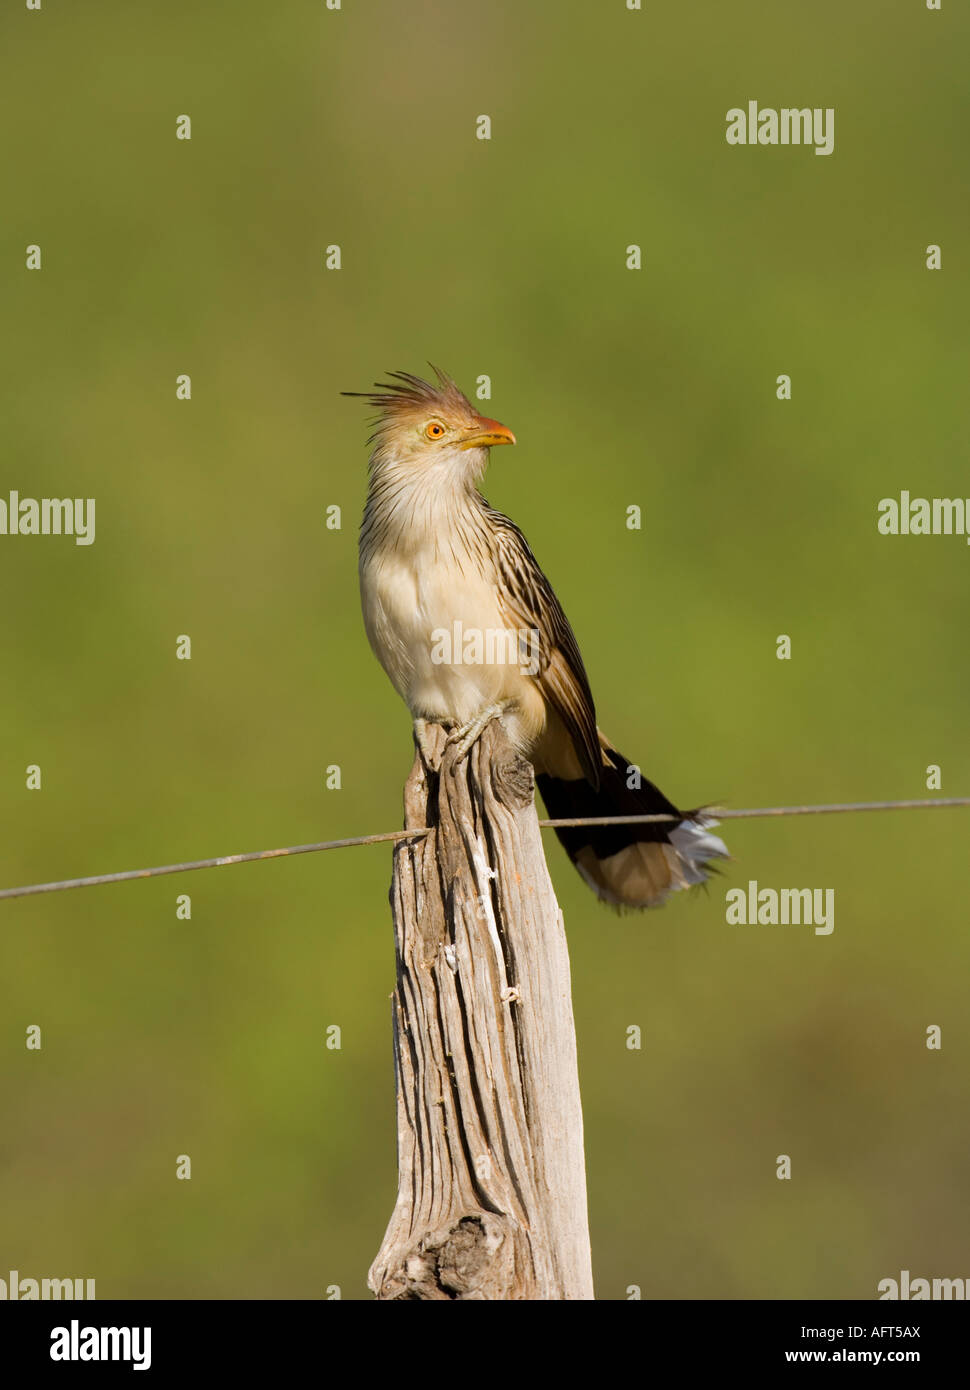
656,388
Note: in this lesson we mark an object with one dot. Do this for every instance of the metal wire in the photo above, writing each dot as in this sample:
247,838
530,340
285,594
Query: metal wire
392,836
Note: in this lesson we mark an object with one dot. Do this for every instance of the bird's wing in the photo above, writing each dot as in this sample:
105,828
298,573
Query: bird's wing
527,600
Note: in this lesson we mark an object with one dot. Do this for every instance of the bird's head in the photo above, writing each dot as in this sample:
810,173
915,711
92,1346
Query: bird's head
422,427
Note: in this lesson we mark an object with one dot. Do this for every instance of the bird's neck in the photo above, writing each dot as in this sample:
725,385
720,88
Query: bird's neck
407,507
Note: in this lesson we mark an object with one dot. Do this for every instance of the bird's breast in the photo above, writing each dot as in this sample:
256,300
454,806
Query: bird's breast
436,625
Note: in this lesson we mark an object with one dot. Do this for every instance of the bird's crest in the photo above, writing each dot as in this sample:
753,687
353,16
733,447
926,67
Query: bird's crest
406,394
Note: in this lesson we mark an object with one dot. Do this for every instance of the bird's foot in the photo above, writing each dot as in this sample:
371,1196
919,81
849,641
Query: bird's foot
467,735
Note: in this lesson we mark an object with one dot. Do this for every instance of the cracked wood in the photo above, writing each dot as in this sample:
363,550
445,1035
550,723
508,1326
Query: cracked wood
492,1184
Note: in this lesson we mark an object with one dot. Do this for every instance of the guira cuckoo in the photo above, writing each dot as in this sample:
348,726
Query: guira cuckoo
435,560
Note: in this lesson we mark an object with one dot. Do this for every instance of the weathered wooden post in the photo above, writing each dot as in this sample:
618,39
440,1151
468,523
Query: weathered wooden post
491,1174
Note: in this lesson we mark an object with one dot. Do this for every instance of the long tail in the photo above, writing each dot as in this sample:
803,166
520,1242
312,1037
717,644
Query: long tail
629,865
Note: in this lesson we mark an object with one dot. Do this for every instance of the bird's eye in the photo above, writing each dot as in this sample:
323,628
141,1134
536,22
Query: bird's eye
434,429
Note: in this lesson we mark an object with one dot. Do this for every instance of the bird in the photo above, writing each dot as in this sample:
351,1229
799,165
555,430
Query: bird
468,629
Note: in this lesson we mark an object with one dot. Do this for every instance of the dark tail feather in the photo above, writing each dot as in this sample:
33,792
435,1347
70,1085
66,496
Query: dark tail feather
629,865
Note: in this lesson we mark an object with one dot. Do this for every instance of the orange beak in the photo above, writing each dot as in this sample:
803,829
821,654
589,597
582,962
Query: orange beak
485,433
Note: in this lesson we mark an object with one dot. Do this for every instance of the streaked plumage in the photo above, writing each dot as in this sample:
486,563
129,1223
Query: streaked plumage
433,552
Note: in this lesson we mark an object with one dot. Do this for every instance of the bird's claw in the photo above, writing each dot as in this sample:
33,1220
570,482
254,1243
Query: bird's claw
467,735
